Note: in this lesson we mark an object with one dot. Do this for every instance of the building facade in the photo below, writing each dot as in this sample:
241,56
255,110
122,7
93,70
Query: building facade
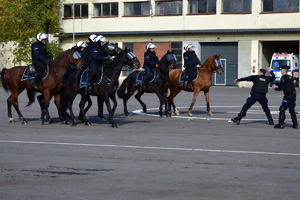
244,32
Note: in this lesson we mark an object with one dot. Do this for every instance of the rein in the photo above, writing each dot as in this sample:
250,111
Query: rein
210,70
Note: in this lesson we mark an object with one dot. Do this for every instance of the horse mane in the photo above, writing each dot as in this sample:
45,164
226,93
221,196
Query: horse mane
60,55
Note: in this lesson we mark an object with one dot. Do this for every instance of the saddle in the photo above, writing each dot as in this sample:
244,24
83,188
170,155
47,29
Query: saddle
30,72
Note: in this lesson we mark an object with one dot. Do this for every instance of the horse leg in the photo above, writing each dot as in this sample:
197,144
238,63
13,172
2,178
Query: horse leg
113,98
109,110
164,95
58,106
130,91
206,94
9,104
81,106
41,101
46,105
196,92
100,107
13,100
89,100
138,98
171,101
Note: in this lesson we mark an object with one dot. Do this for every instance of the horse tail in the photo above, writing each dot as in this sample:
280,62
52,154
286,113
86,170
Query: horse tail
64,101
31,97
122,88
3,81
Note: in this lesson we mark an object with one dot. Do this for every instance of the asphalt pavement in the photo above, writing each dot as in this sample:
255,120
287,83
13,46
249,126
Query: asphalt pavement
152,157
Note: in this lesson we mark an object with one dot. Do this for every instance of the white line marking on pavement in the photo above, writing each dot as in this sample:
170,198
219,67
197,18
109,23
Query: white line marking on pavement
148,147
250,111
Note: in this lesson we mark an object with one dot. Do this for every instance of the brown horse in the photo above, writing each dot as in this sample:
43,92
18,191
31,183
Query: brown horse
201,83
12,80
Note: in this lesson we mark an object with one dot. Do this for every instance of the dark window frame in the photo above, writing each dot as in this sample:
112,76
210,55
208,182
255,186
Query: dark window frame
231,12
173,14
110,10
178,56
132,9
206,13
274,11
80,17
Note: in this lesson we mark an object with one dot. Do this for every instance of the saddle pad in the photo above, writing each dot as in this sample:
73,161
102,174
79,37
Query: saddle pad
83,78
183,80
25,74
139,78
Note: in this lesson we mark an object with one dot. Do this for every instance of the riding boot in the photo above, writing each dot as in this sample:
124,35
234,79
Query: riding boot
294,120
92,80
35,81
237,119
280,120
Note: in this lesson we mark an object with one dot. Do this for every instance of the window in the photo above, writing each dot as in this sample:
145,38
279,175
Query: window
105,10
236,6
280,5
168,7
177,47
81,11
201,6
137,9
129,46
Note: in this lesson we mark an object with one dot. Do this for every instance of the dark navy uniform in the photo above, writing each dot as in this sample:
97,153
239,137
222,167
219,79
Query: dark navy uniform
258,93
289,100
39,60
97,56
150,61
190,62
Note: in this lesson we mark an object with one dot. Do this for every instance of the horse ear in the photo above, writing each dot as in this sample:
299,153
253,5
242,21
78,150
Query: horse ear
168,52
173,52
125,49
219,55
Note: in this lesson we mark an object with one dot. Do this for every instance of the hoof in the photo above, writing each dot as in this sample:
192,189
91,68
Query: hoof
190,114
127,114
24,122
64,122
87,123
51,121
11,120
210,114
103,119
145,110
114,125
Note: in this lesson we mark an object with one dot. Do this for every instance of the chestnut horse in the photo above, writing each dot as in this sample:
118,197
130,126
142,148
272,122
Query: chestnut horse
159,85
52,83
201,83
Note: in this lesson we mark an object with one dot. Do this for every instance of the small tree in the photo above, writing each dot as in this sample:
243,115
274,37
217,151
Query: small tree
22,20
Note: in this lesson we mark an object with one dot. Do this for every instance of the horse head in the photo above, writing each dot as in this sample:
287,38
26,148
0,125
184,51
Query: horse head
113,50
217,64
168,61
69,57
131,59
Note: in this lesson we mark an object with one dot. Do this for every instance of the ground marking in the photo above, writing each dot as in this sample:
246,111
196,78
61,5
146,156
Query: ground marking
148,147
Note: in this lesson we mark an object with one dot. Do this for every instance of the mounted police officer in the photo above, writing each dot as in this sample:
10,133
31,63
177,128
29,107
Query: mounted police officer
289,98
98,55
39,58
258,93
150,62
190,62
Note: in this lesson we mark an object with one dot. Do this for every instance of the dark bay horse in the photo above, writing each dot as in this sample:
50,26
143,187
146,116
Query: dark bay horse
112,51
159,85
12,81
202,83
106,88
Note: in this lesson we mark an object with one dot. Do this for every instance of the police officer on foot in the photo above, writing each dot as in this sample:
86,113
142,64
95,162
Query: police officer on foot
190,62
150,62
289,98
258,93
39,58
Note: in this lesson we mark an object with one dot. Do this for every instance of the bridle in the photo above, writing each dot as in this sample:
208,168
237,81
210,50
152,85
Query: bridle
216,63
